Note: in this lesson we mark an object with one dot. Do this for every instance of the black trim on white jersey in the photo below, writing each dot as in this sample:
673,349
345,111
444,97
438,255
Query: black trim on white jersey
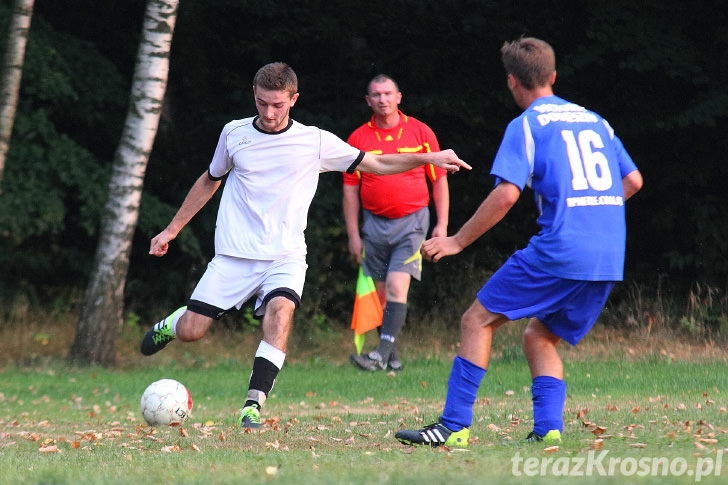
255,125
352,167
212,177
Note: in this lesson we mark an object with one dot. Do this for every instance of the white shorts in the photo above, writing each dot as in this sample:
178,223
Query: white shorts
229,282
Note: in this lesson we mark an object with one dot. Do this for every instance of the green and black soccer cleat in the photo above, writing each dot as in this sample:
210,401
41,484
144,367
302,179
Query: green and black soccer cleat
434,435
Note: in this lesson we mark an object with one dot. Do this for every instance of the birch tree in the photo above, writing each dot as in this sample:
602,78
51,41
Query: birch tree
101,315
11,74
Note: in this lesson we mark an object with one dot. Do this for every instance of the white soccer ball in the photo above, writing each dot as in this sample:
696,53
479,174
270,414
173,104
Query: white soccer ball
166,403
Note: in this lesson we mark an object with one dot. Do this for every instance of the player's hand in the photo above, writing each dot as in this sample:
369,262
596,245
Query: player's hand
448,160
438,247
160,244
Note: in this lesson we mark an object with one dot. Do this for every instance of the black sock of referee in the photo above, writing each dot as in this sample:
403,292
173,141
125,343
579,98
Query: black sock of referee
392,323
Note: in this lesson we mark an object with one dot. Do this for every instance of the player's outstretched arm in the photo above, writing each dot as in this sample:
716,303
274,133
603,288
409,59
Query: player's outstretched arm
197,197
490,212
388,164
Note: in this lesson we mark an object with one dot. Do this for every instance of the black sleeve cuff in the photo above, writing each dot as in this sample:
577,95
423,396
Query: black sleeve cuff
352,167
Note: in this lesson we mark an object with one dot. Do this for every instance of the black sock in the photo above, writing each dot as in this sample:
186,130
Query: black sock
394,355
392,323
262,380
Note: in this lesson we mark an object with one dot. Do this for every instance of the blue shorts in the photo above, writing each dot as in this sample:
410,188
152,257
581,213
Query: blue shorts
568,308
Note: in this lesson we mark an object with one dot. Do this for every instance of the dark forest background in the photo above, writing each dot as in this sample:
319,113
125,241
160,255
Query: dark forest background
654,69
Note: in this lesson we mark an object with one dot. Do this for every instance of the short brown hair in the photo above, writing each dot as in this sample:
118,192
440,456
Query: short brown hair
382,78
277,76
532,61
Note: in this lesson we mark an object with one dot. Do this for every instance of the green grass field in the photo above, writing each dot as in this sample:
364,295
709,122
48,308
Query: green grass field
328,423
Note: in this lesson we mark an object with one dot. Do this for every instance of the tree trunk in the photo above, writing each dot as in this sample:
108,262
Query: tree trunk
101,316
11,74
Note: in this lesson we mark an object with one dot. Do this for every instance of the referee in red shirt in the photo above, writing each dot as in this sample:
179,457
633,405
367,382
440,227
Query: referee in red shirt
395,214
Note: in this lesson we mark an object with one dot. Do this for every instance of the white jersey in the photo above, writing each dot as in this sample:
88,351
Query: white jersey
273,178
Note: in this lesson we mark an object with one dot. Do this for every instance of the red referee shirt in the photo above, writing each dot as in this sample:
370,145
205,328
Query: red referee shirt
400,194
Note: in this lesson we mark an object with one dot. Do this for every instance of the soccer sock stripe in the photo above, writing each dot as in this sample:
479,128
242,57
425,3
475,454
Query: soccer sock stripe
549,394
274,355
462,389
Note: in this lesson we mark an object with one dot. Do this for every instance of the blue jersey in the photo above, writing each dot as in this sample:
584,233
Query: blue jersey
574,163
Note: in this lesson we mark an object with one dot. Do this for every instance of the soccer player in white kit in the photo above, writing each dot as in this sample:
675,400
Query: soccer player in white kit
273,164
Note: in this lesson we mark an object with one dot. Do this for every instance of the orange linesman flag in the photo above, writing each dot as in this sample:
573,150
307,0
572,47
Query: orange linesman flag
367,309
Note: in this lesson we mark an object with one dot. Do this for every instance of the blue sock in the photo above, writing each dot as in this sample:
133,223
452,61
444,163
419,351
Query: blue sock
549,394
462,389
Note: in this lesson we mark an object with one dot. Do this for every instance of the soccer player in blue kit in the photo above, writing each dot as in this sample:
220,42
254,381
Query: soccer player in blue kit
581,175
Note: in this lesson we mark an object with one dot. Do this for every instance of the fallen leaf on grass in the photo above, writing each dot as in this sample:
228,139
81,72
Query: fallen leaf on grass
171,448
551,449
638,445
596,445
49,449
271,470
